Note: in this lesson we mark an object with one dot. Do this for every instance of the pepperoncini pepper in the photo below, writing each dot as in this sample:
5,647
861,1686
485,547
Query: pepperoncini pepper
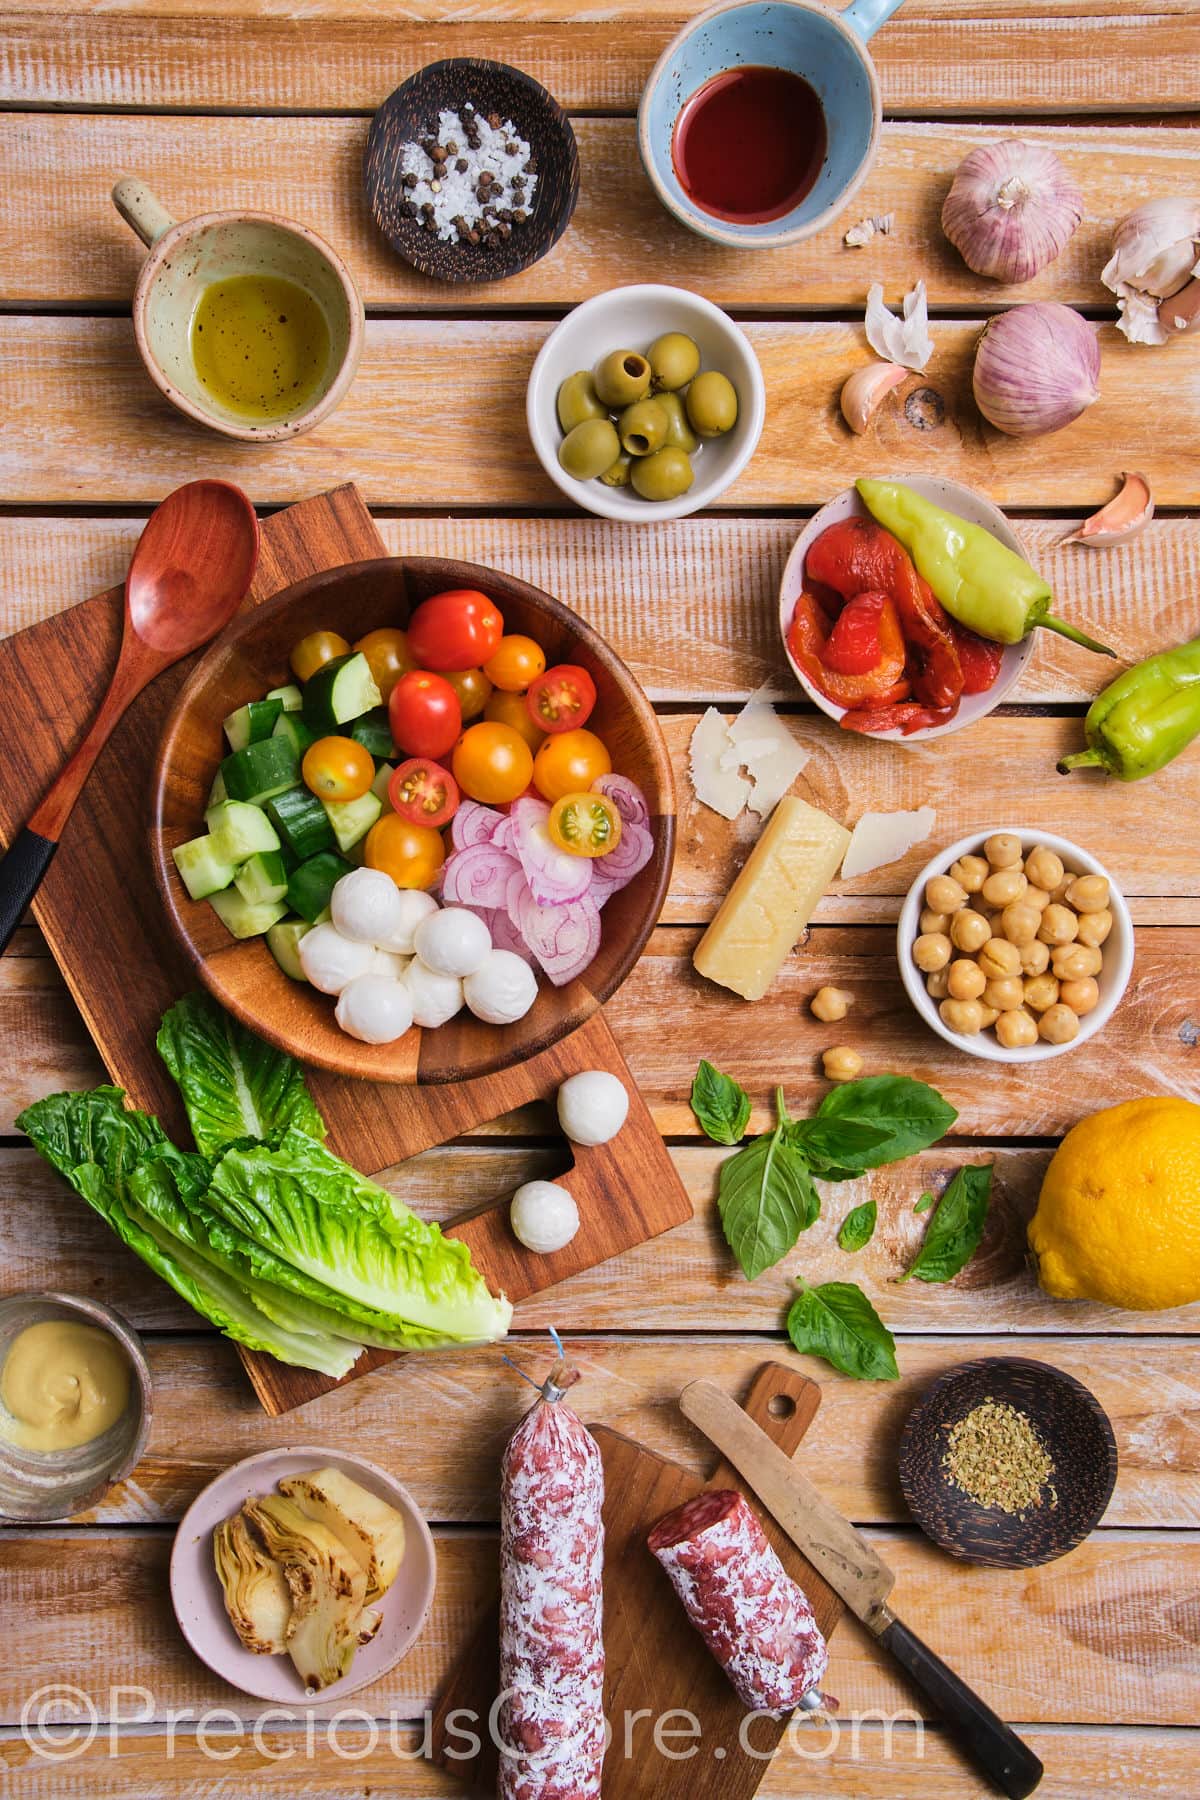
1144,718
879,682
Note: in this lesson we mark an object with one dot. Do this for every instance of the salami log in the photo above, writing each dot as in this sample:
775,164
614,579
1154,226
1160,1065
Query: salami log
551,1717
741,1599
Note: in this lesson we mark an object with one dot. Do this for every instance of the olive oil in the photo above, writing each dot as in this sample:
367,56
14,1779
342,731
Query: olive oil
260,345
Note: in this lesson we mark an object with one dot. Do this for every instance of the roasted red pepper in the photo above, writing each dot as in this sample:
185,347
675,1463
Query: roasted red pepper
882,683
980,659
857,556
907,718
855,645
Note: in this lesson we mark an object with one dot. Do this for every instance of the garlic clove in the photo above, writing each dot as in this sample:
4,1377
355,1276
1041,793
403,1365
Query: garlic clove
866,389
1181,312
1125,515
1155,252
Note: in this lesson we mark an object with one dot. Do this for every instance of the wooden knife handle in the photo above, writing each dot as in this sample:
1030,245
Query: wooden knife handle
994,1746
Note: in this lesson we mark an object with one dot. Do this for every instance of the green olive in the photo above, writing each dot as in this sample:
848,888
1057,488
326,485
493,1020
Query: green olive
674,359
712,404
663,476
577,400
643,427
618,475
679,433
589,448
622,377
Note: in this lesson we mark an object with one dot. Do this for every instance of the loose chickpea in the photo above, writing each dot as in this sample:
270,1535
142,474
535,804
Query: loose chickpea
965,1016
1003,850
931,921
969,931
1016,1030
841,1063
1019,922
1073,962
944,895
1059,893
1059,924
932,950
1035,896
937,985
965,979
999,958
1041,991
1058,1025
1044,867
1004,886
1081,996
1035,957
989,1016
1094,927
1088,893
970,872
1006,992
830,1003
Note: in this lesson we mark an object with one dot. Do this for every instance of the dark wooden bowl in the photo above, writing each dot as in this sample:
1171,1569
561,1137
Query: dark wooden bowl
411,113
251,657
1070,1422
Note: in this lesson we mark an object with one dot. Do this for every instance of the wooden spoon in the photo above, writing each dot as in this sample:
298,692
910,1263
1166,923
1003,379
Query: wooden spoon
190,572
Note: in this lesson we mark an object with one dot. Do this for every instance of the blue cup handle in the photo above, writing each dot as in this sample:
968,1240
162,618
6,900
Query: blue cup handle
864,17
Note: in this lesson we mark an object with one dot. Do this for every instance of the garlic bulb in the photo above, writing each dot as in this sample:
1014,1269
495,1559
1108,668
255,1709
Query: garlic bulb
1010,210
1037,367
1156,253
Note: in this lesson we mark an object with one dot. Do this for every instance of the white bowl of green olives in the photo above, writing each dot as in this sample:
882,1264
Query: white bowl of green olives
645,403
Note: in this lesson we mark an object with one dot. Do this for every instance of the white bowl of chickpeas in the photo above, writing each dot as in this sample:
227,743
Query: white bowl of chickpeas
1015,945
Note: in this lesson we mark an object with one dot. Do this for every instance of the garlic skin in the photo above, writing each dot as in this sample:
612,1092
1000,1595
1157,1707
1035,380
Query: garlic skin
900,340
1011,209
1037,367
1180,313
865,391
1125,515
1156,254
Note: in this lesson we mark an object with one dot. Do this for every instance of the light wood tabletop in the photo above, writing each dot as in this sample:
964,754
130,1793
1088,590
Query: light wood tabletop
266,103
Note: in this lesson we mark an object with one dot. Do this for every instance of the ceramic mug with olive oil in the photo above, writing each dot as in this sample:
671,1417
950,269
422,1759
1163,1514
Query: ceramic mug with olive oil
245,321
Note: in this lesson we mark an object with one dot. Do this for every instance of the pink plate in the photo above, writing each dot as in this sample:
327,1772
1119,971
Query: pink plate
200,1607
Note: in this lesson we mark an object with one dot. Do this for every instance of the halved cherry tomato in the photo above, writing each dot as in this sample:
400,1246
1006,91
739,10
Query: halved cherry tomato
388,657
517,663
569,763
562,699
423,792
473,688
492,763
336,768
585,824
314,651
510,709
410,854
459,629
424,714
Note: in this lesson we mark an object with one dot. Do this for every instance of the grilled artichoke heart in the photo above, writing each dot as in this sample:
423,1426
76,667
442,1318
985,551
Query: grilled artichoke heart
328,1588
257,1597
371,1529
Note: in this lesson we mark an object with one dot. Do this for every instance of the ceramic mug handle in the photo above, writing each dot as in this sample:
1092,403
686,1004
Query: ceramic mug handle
139,208
864,17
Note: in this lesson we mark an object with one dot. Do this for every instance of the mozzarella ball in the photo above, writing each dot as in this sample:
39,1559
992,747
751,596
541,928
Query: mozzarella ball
374,1009
365,905
415,905
502,989
543,1216
389,965
331,961
592,1106
435,997
453,941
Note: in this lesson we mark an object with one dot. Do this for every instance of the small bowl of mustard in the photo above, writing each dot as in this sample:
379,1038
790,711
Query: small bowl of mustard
74,1404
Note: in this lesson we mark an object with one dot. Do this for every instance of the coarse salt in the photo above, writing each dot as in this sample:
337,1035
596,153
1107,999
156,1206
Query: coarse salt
456,193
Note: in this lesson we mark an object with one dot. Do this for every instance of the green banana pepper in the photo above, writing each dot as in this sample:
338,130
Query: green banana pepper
1144,718
981,582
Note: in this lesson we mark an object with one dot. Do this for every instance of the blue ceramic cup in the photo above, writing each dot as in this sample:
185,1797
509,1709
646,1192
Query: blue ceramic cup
827,48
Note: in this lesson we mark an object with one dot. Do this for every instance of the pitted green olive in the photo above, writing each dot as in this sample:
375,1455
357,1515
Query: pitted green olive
643,427
712,404
589,448
577,400
664,475
674,358
679,433
618,475
622,377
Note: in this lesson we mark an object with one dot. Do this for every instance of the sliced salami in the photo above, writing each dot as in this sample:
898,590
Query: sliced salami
741,1599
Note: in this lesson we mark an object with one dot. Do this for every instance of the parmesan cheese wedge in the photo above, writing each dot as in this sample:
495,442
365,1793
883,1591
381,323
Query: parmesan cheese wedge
718,787
882,838
773,898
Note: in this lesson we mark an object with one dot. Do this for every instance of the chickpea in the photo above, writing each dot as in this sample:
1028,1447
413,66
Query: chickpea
999,958
1019,922
1094,927
932,951
1081,996
1039,897
1044,867
841,1063
1006,993
1016,1030
1058,1025
1059,924
965,1016
1035,957
931,921
1088,893
969,931
830,1003
1003,850
965,980
1004,886
937,985
989,1015
970,872
1073,962
1041,992
1058,894
944,895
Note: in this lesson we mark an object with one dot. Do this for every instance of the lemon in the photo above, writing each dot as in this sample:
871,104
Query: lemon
1118,1218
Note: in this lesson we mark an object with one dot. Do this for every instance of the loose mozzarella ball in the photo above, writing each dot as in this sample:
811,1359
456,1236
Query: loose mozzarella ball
453,941
331,961
592,1106
502,989
415,905
388,964
543,1216
365,905
435,997
374,1009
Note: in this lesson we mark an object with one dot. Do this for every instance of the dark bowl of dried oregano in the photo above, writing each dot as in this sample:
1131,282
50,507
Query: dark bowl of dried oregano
1008,1462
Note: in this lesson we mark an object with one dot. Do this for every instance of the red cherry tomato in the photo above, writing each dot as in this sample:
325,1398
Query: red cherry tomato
459,629
424,714
423,792
562,699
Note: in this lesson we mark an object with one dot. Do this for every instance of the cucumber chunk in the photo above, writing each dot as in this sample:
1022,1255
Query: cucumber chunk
374,733
216,792
352,819
283,941
240,831
343,689
252,722
302,822
311,885
260,771
262,879
289,697
379,787
245,918
291,728
202,869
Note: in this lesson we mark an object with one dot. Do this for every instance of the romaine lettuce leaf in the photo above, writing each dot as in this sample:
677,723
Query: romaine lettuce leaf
234,1086
69,1129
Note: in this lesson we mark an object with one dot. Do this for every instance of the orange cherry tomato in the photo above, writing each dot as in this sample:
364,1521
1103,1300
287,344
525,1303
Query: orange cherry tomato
410,854
459,629
517,663
423,792
510,709
585,824
388,657
314,651
568,763
562,699
424,714
473,688
337,768
492,763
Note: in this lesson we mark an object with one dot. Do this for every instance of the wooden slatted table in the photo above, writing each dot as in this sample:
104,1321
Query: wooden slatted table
264,103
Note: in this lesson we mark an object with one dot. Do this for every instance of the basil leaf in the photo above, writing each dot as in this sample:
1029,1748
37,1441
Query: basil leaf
832,1145
766,1198
911,1115
858,1227
836,1321
925,1202
956,1227
721,1105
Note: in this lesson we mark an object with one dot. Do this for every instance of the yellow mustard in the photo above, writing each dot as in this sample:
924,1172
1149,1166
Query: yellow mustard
63,1384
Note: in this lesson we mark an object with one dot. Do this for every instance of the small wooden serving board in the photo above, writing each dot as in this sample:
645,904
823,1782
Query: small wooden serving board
102,918
656,1664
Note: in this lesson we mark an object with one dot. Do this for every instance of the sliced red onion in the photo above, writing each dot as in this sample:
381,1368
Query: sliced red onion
626,796
502,837
563,938
555,876
630,853
473,824
514,894
478,876
505,936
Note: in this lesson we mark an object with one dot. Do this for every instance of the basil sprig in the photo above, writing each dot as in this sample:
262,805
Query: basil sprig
836,1321
858,1227
721,1105
766,1197
956,1227
905,1115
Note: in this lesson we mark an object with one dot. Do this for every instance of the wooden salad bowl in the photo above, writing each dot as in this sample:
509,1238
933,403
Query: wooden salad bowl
251,657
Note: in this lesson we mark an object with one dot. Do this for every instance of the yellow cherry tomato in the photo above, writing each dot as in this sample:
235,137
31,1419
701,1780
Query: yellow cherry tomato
315,650
518,661
510,709
585,824
337,768
410,854
492,763
388,658
569,763
473,688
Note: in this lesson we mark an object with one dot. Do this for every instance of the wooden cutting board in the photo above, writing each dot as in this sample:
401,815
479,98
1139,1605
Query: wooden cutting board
656,1663
100,912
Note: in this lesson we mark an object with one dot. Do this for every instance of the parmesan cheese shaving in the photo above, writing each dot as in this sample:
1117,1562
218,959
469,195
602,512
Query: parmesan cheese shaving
759,742
723,790
882,838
